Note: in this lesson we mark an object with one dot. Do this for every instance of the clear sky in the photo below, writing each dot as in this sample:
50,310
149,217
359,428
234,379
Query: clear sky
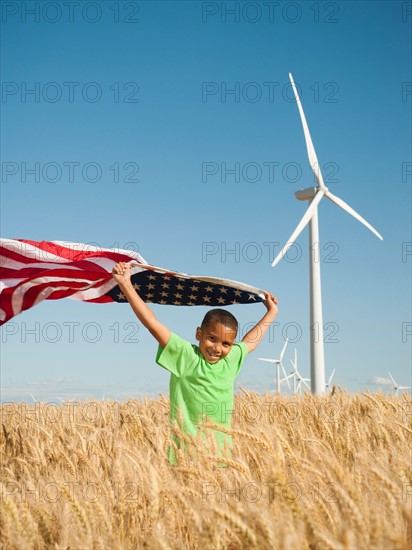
170,128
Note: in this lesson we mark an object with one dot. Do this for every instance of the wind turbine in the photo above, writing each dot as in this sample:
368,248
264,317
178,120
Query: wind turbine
396,387
279,365
315,195
297,383
327,385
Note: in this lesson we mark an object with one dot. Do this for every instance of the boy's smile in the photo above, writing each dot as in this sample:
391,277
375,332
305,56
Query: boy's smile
215,341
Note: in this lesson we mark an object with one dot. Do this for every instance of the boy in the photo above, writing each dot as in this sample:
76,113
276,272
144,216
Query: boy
202,377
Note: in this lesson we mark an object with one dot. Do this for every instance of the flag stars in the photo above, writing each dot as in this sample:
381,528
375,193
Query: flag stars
151,277
221,300
178,296
194,288
165,285
193,297
238,293
206,299
209,289
164,294
223,290
136,286
151,286
121,296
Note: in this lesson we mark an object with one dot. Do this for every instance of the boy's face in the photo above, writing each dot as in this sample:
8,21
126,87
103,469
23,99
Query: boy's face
215,341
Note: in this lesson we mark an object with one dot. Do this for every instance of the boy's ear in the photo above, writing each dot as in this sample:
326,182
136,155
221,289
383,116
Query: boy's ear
198,333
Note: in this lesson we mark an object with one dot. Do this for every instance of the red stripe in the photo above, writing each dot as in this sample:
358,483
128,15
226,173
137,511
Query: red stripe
29,273
17,256
75,255
76,265
32,294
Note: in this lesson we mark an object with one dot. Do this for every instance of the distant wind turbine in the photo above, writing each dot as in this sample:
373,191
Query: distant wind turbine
279,365
297,385
328,383
315,195
396,386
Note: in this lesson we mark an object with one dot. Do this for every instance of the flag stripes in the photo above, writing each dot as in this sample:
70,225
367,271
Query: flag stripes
35,271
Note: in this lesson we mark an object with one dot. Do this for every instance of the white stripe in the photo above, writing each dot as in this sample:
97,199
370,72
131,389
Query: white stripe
8,283
30,251
19,293
89,248
92,293
13,264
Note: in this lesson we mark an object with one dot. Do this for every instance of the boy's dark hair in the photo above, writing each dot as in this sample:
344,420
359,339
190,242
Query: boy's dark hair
221,316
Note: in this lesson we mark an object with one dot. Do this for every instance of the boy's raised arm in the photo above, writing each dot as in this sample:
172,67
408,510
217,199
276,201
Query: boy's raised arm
253,338
121,274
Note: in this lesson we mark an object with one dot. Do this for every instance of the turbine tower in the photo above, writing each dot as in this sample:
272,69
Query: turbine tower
279,365
315,195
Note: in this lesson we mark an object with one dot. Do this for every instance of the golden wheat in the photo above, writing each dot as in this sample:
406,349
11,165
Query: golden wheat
329,472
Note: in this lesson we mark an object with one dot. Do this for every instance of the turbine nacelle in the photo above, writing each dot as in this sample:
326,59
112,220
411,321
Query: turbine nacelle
307,194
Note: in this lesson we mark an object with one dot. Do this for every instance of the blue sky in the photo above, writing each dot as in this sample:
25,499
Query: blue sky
170,128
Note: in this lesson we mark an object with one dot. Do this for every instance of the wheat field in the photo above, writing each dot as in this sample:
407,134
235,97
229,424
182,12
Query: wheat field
304,473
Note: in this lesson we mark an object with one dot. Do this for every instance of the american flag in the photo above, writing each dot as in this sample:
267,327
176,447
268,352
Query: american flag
35,271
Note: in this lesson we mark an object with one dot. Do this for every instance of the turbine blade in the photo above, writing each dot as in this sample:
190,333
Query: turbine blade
304,381
313,159
392,378
331,376
282,353
351,211
267,360
301,225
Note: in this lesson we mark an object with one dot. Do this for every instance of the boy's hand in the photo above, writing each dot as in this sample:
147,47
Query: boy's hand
253,338
121,273
271,303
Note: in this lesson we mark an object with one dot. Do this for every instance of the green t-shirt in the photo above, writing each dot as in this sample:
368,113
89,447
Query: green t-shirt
199,388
